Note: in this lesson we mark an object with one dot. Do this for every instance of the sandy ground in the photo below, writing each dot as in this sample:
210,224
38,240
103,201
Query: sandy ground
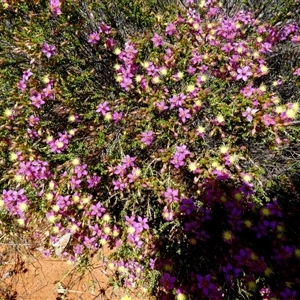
30,276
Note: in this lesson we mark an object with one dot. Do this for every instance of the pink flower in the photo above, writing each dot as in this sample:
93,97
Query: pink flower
170,29
249,113
243,73
268,120
27,74
55,7
22,85
297,72
184,114
157,40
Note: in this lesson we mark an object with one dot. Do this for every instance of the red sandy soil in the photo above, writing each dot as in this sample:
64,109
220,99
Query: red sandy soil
30,276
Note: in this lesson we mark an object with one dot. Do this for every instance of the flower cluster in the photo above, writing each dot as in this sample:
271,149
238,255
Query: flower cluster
166,149
105,32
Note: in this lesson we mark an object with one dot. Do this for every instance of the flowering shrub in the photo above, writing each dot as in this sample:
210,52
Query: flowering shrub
157,144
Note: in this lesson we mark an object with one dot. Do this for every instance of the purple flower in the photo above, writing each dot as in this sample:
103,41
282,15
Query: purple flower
243,73
120,170
118,185
289,294
147,137
90,243
157,40
75,183
141,224
229,271
244,257
48,91
177,100
187,206
48,50
205,285
182,150
178,161
167,281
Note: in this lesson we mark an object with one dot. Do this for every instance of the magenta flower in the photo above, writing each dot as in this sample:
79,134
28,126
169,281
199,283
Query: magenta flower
37,99
104,28
243,73
80,170
93,181
128,161
161,106
157,40
27,74
103,108
170,29
117,116
48,50
55,7
177,100
268,120
171,195
97,210
297,72
48,91
110,43
147,137
177,161
94,38
22,85
118,185
184,114
33,120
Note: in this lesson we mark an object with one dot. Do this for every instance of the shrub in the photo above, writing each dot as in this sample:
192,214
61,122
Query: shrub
161,144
